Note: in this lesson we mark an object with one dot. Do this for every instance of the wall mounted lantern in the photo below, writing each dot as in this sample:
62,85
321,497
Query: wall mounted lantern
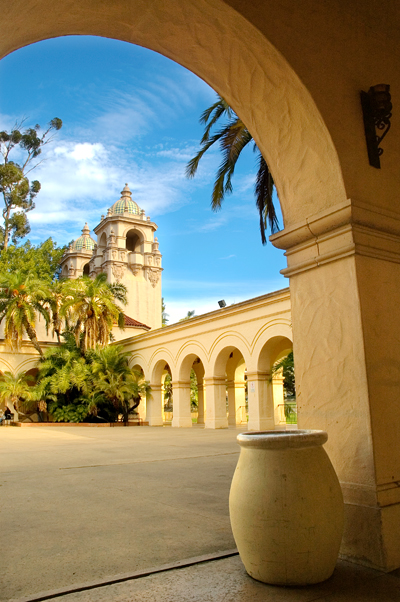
377,111
222,303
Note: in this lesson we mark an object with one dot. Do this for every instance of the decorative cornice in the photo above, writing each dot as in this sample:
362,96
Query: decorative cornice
347,229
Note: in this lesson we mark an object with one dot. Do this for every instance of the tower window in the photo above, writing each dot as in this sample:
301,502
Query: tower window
133,241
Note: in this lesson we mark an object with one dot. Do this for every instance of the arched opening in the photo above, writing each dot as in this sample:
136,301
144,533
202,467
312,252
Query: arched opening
256,77
160,406
230,387
140,411
86,269
167,395
134,241
189,393
102,242
306,169
278,409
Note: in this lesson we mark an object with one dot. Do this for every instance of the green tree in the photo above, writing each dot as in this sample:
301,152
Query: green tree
41,261
21,300
286,364
194,390
15,390
65,382
233,136
118,389
164,315
55,302
18,193
91,309
168,394
190,314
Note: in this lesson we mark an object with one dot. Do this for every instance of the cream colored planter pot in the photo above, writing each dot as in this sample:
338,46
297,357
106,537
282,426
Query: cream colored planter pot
286,507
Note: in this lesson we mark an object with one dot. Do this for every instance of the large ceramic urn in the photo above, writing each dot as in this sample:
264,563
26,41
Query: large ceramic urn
286,507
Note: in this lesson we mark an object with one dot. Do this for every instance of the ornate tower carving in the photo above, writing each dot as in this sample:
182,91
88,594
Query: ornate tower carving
127,252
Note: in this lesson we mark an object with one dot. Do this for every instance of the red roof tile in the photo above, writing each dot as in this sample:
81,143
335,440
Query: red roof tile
131,322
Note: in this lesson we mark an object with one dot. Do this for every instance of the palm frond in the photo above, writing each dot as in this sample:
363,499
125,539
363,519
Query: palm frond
264,201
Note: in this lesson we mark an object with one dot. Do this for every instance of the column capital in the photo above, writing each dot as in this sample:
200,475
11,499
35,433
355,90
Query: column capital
259,375
180,384
214,380
350,228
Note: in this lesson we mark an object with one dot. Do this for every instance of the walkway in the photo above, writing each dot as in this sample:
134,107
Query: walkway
83,505
80,504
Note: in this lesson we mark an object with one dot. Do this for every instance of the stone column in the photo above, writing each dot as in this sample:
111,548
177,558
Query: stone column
216,403
240,402
279,400
200,407
344,269
261,406
154,406
142,407
230,385
181,416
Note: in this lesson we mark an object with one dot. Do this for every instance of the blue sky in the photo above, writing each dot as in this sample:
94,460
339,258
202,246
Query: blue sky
131,115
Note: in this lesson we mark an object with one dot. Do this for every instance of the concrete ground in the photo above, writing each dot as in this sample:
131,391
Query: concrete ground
81,506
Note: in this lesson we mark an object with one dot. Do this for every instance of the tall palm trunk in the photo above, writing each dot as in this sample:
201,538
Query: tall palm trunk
31,332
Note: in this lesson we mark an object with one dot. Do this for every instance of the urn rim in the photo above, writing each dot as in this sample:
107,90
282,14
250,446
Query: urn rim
282,439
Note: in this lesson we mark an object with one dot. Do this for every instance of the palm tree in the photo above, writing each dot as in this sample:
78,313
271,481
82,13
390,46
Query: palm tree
90,306
21,300
15,390
65,382
286,364
233,137
190,314
164,315
118,385
54,303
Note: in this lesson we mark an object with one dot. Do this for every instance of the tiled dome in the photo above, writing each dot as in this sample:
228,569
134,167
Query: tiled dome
84,242
125,204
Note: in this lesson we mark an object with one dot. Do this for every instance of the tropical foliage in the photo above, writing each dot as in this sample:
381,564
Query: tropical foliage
90,308
168,394
16,391
190,314
21,301
164,315
286,364
233,137
97,385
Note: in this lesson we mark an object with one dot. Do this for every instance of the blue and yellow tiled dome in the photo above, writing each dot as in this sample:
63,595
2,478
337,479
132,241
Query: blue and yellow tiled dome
84,242
125,204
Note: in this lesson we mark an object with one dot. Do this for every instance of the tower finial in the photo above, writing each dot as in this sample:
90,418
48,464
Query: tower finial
126,191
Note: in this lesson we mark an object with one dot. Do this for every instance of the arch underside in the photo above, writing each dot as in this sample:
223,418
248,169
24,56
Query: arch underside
233,57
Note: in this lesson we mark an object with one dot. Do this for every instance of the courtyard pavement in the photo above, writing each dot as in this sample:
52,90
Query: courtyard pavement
83,507
80,504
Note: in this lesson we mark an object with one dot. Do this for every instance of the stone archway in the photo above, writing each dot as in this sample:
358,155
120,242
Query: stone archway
182,389
230,357
284,68
231,55
155,405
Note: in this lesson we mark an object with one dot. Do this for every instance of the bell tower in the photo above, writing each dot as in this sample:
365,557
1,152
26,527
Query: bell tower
75,261
127,252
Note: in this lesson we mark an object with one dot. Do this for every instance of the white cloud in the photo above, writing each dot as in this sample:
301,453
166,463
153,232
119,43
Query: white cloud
213,224
81,180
